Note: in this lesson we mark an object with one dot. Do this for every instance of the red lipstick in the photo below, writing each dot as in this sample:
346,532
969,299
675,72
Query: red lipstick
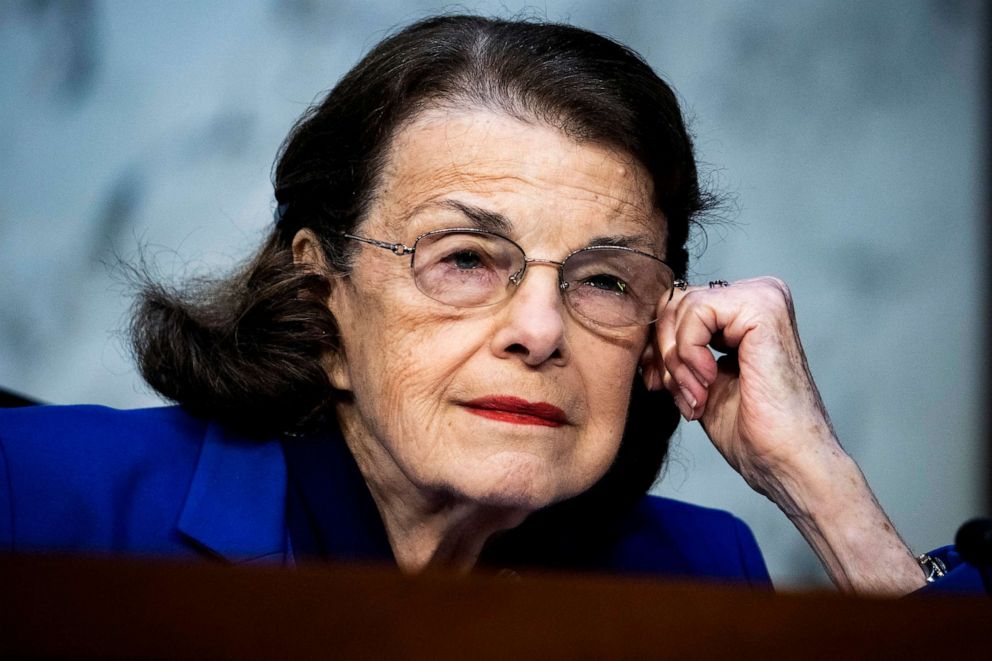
517,411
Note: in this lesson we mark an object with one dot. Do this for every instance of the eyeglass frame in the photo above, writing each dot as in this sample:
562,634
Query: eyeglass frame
401,249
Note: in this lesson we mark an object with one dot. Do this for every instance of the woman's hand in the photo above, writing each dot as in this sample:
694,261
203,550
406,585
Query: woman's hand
761,409
758,403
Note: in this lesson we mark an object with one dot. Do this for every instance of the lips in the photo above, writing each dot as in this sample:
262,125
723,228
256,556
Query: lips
517,411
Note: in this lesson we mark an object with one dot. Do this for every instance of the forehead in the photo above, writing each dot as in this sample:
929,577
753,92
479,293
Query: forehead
542,181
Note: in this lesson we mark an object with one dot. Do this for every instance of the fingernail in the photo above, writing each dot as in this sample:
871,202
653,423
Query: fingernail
683,408
687,396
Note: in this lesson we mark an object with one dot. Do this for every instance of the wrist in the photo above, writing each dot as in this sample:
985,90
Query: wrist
830,503
809,480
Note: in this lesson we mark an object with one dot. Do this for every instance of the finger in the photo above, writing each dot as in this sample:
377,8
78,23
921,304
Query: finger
689,386
683,382
732,312
711,317
691,343
693,337
650,365
689,389
672,386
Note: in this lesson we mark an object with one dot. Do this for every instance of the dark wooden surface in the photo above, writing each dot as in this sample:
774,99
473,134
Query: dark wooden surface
100,608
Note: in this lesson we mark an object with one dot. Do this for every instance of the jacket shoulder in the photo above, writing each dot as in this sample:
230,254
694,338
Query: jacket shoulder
671,537
90,422
76,477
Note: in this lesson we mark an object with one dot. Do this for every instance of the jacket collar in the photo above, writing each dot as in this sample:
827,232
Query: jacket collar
235,506
330,512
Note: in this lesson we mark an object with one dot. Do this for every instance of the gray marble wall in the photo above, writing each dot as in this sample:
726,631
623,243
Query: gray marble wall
847,135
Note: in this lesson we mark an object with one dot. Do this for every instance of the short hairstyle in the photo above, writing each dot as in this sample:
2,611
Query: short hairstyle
246,349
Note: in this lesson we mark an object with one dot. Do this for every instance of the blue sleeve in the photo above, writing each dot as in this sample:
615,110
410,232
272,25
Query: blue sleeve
665,537
6,505
92,479
961,578
752,561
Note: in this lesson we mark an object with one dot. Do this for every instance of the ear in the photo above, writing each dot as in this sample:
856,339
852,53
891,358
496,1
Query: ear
649,365
307,251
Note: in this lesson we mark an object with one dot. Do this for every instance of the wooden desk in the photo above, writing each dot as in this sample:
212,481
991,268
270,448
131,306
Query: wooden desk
72,607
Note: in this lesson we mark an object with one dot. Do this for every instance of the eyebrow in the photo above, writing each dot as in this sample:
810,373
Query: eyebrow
640,242
481,218
497,223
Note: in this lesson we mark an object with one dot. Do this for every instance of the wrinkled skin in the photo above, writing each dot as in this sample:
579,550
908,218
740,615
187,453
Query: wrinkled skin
761,409
443,477
446,479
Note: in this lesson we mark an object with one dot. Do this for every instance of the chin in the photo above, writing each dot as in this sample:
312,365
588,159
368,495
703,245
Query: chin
513,481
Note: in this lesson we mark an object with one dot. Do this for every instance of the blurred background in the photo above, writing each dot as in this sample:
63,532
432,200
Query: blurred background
849,138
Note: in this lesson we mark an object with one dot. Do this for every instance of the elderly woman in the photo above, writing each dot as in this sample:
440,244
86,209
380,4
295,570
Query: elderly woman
466,342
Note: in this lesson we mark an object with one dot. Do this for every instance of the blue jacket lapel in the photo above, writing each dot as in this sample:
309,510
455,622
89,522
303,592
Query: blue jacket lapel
236,502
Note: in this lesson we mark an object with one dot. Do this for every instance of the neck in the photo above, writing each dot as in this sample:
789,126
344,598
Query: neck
427,528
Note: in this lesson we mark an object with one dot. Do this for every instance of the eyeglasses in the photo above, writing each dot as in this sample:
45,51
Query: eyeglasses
465,267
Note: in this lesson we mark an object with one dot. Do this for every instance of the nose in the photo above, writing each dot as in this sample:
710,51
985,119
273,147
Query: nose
532,324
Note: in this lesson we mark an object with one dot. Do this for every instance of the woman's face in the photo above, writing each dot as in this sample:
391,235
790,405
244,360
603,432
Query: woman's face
516,404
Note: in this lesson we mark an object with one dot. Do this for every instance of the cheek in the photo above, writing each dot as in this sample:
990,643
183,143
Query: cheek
608,375
608,367
402,352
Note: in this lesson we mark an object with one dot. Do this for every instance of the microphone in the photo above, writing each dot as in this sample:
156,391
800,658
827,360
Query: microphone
974,542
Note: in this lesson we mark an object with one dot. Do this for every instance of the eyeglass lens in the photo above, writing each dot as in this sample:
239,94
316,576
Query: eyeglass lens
608,285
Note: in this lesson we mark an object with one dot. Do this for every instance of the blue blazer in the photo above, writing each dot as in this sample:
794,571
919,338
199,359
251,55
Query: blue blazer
158,482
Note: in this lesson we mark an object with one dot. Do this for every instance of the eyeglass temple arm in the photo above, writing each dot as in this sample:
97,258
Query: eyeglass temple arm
395,248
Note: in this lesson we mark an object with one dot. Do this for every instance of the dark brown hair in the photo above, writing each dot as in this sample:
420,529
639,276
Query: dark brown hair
246,350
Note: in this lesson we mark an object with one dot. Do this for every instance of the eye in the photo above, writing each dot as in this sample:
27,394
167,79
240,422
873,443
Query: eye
606,283
465,259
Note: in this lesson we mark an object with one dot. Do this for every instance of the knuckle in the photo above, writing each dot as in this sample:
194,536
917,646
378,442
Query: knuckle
776,292
779,285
